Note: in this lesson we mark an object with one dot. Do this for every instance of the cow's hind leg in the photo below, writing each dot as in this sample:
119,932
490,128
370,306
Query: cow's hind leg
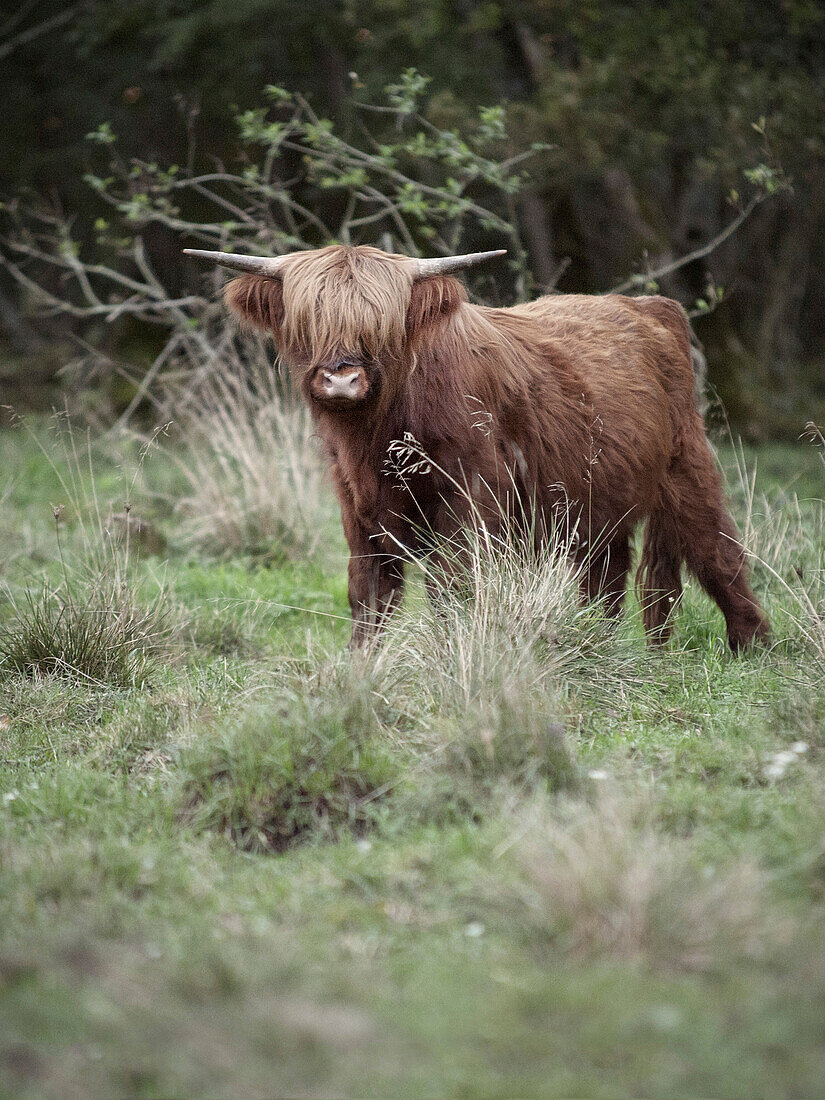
717,560
710,545
659,580
604,573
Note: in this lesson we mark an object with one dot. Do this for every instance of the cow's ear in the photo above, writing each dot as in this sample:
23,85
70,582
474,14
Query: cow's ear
432,301
257,301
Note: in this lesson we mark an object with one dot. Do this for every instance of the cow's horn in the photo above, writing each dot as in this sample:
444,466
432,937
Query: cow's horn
255,265
446,265
271,265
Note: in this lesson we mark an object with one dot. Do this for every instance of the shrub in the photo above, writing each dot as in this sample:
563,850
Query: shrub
409,187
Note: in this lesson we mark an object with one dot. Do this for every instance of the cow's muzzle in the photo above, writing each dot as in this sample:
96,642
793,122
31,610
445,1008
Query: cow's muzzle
341,385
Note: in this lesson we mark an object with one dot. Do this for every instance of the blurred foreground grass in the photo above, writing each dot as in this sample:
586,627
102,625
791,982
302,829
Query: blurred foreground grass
261,871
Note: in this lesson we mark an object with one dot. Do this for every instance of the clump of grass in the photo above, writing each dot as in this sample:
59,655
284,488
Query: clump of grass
506,743
298,768
88,624
108,639
602,880
226,631
509,736
496,659
505,620
455,761
784,538
254,479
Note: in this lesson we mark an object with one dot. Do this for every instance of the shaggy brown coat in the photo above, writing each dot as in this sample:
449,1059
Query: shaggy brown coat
567,401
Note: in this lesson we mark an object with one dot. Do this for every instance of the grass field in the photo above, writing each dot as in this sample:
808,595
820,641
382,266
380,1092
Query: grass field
513,853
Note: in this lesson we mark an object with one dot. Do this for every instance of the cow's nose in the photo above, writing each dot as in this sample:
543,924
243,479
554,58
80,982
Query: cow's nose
340,383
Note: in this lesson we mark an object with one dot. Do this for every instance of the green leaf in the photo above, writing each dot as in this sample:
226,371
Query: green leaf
103,135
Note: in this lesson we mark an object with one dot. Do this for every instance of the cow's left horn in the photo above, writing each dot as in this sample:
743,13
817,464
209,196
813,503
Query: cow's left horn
446,265
254,265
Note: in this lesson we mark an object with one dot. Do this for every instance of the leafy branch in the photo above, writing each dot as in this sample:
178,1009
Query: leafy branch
297,183
404,184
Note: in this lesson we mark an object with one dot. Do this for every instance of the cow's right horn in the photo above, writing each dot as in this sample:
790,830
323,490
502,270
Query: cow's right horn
254,265
446,265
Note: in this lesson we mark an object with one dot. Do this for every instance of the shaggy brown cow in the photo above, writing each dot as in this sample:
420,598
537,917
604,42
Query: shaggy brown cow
569,400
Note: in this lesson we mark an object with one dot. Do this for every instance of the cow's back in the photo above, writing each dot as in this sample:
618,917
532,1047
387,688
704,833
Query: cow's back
615,340
626,363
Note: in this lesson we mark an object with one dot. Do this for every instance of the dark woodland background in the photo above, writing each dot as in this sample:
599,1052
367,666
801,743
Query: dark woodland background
651,107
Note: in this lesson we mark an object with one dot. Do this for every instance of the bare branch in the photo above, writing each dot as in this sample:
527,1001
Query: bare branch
155,311
636,281
10,45
18,17
382,200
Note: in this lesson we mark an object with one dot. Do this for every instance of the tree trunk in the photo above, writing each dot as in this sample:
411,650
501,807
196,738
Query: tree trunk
20,334
776,339
535,224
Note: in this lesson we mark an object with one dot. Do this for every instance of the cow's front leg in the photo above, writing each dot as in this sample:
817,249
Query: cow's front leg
376,583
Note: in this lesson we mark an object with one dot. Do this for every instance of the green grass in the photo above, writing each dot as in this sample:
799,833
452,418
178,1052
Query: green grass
540,868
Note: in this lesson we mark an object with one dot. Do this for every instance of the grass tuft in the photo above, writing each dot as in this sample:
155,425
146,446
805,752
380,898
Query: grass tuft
87,620
504,745
783,535
512,628
602,880
108,639
298,769
510,737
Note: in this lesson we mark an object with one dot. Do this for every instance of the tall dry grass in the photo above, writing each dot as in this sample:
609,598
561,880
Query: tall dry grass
784,536
254,478
504,616
601,878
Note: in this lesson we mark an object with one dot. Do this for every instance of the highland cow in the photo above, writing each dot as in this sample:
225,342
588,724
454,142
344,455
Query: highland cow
571,401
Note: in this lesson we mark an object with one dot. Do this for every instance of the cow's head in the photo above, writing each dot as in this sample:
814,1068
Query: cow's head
346,319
